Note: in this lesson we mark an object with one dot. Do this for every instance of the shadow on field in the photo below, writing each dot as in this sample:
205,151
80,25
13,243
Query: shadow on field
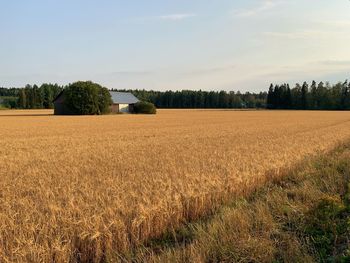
26,115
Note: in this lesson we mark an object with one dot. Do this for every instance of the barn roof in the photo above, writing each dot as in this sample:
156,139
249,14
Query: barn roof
58,95
123,97
117,97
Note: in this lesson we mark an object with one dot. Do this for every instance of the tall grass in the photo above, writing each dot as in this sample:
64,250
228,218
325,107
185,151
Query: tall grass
93,188
303,217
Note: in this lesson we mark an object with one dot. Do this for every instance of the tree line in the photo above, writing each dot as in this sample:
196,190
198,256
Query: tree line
202,99
35,97
314,97
321,96
30,97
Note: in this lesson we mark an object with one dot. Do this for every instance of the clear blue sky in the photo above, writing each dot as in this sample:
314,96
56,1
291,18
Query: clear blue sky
174,44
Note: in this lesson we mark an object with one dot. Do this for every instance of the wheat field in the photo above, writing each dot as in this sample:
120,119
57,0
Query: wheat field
94,188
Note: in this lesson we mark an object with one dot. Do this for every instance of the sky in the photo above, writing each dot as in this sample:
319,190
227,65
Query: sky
174,44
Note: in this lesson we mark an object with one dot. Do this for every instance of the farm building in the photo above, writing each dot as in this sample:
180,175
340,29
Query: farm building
123,102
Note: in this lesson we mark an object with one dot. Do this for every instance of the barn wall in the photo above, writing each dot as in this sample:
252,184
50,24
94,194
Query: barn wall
124,108
131,108
60,109
114,108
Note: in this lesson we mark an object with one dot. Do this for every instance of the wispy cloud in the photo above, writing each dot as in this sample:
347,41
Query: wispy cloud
167,17
176,17
130,73
307,34
307,70
333,62
211,70
265,5
334,23
298,34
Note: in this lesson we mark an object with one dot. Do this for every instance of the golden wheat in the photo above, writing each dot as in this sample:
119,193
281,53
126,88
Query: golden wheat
94,187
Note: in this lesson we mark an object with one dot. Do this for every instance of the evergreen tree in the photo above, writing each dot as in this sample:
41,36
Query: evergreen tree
22,100
304,96
47,94
288,96
270,97
344,95
347,98
313,96
321,96
30,98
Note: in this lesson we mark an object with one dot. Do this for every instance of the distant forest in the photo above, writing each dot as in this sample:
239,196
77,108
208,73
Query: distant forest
304,97
30,97
202,99
316,97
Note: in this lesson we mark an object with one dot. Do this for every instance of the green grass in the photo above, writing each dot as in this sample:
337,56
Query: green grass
303,217
3,107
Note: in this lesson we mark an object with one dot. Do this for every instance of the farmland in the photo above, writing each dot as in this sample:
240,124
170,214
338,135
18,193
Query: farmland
94,188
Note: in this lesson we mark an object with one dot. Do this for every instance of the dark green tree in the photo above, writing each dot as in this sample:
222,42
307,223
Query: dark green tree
22,99
313,103
288,97
270,97
30,97
104,100
143,107
304,96
87,98
47,94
